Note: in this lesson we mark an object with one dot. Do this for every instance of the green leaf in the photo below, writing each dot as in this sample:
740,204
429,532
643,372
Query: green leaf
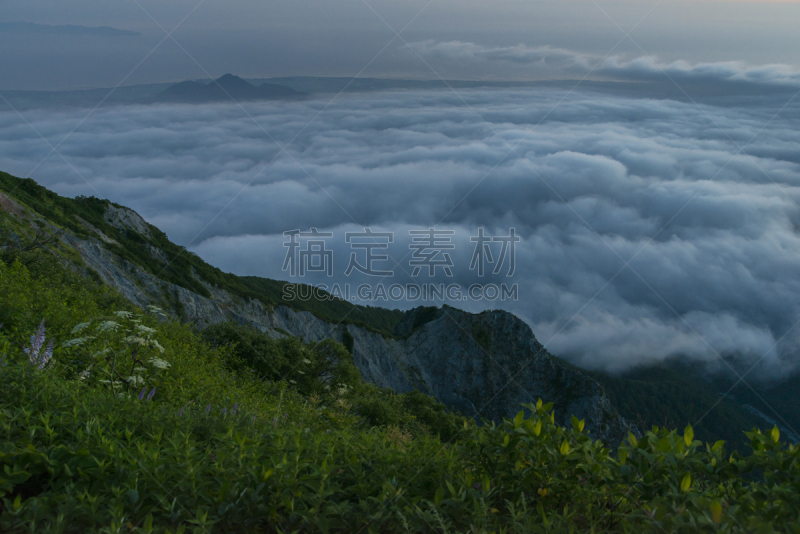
565,447
437,499
537,428
17,477
688,435
775,434
686,483
133,496
518,419
716,511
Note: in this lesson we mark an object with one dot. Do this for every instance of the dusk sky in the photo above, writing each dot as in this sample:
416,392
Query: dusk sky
342,37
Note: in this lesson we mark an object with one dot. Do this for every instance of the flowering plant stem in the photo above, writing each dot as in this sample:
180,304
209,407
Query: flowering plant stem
113,367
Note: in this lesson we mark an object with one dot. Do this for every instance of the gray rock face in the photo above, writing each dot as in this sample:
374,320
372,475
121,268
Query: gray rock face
126,219
483,365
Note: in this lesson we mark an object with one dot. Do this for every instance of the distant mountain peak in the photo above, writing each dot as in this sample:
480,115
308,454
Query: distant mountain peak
63,29
232,78
225,88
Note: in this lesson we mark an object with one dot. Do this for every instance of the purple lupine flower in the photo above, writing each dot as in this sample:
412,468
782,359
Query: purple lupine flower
48,353
235,405
180,413
141,395
274,422
150,395
37,340
224,411
208,408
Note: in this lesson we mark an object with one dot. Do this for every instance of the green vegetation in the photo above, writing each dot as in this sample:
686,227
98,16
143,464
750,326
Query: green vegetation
348,340
667,397
424,316
136,423
324,373
482,336
185,268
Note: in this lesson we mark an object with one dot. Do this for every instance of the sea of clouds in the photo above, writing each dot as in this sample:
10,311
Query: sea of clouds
650,228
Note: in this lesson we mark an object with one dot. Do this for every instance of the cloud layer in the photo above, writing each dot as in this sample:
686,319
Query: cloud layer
523,61
650,228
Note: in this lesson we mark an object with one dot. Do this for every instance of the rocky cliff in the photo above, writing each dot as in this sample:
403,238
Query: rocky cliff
482,365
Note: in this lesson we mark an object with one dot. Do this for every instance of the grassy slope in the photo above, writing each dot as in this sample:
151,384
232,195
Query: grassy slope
218,449
62,211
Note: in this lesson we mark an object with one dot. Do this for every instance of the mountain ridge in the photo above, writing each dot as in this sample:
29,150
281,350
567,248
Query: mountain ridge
485,376
223,89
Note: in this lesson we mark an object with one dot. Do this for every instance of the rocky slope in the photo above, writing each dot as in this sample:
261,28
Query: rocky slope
482,365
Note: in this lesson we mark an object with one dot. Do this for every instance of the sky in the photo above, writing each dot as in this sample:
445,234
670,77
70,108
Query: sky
657,217
345,37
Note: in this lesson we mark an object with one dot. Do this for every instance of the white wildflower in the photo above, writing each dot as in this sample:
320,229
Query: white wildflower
76,342
80,327
159,363
124,314
101,353
144,329
84,374
306,360
136,340
108,326
134,380
157,345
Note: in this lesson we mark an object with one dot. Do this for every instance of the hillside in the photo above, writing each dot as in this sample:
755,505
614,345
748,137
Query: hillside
484,366
118,247
667,397
116,417
85,218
